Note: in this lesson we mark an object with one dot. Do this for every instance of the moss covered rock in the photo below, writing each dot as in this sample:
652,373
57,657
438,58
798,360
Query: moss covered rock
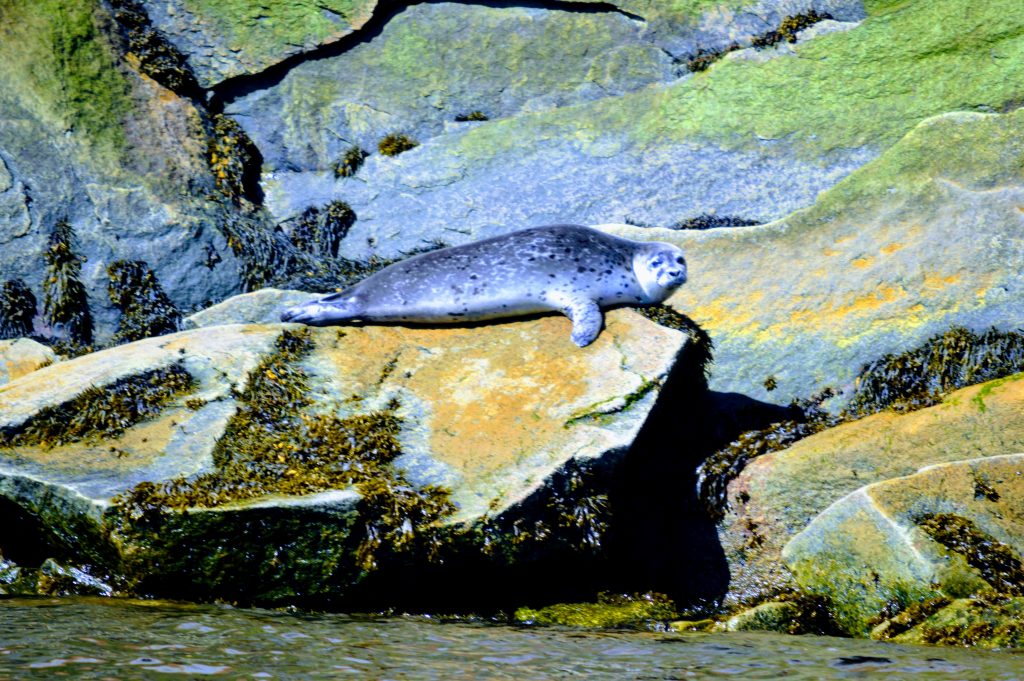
749,138
984,622
22,356
232,38
948,530
293,462
779,494
85,137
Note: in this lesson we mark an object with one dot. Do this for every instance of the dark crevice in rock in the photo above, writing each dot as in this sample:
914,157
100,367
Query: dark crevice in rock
25,539
231,89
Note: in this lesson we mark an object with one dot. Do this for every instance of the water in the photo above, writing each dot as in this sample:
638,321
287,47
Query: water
116,639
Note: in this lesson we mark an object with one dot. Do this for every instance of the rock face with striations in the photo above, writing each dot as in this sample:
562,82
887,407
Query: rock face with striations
292,460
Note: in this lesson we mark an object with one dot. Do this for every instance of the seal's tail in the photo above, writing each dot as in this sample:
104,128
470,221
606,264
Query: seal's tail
332,309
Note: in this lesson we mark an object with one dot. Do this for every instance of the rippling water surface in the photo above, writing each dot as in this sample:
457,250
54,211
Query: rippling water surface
106,638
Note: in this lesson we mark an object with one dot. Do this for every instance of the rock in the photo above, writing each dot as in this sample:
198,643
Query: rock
877,265
22,356
227,39
772,616
881,544
259,307
666,153
974,622
124,160
779,495
463,423
641,611
401,82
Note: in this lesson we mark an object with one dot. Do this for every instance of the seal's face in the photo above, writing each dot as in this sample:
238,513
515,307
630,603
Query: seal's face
660,268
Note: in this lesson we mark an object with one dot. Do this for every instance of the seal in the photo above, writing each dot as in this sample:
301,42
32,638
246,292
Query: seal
571,269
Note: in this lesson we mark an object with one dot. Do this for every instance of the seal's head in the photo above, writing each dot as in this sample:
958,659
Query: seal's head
660,268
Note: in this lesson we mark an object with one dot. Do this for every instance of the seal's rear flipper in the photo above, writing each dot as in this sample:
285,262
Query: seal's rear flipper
324,311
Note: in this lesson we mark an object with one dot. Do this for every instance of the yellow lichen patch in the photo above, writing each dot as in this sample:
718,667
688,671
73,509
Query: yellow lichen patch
891,248
861,263
936,282
499,395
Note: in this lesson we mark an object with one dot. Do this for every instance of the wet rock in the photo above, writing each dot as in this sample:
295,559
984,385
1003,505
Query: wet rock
984,622
771,616
948,530
779,495
462,423
22,356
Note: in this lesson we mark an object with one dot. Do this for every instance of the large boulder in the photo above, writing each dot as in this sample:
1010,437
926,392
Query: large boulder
749,138
950,530
926,237
85,137
275,463
22,356
785,493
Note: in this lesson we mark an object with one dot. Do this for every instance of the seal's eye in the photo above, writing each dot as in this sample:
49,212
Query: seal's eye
679,260
656,262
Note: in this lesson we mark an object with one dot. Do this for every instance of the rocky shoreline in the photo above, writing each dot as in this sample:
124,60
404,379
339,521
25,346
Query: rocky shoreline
820,432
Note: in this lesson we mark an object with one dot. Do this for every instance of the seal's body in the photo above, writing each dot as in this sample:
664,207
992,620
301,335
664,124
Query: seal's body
566,268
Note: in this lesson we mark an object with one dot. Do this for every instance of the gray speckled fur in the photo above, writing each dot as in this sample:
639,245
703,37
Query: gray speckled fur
567,268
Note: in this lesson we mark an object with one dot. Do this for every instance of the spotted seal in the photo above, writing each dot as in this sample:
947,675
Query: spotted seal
566,268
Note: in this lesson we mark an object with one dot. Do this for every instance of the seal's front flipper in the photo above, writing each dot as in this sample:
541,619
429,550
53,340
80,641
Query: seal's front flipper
587,320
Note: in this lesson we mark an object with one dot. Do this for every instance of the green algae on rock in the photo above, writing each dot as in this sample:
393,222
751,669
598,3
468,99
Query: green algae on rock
290,474
780,494
898,541
610,611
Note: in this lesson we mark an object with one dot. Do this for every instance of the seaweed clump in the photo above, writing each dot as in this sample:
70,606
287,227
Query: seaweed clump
396,143
472,116
906,381
894,619
350,162
722,467
700,343
998,564
644,611
157,57
949,361
65,302
145,308
273,445
706,221
319,231
17,309
788,29
234,161
102,412
703,60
